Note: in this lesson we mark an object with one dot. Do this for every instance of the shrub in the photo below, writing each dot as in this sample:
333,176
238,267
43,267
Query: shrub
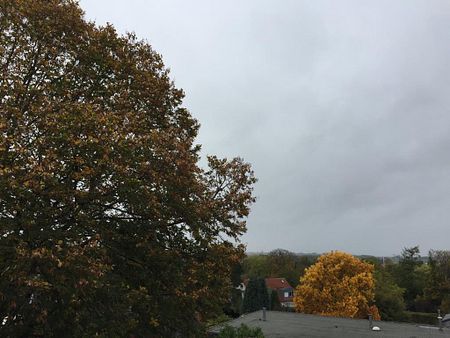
241,332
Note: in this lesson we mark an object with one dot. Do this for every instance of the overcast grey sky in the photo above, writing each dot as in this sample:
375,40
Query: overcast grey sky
342,107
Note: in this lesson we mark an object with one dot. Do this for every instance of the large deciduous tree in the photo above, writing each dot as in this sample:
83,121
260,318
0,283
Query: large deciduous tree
388,296
338,284
437,291
277,263
108,226
286,264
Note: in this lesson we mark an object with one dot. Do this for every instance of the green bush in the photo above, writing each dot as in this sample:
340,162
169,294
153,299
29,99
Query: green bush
241,332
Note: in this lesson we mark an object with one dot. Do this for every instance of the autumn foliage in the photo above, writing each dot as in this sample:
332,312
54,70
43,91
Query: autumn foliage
338,284
108,225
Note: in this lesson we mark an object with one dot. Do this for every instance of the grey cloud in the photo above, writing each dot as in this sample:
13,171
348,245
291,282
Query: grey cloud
341,107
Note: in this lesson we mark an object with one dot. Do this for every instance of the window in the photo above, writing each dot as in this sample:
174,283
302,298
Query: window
288,294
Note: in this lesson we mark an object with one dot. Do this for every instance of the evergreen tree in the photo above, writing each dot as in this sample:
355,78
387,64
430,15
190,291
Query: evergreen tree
407,275
256,296
275,304
263,293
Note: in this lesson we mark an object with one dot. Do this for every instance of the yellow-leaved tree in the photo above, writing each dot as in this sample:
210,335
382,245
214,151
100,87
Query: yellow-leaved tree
340,285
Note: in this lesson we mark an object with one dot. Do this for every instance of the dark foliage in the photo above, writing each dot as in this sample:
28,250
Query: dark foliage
108,226
241,332
388,296
256,296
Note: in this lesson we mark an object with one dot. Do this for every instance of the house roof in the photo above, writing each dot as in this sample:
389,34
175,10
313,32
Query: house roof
292,325
277,283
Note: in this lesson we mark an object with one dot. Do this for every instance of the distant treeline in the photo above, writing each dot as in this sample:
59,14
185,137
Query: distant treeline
406,285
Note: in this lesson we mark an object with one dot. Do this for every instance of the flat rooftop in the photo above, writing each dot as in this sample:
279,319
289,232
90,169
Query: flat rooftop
290,325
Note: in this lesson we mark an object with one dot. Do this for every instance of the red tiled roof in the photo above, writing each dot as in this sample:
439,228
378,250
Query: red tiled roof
277,283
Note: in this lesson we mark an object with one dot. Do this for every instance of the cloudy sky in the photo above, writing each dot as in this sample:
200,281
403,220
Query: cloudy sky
342,107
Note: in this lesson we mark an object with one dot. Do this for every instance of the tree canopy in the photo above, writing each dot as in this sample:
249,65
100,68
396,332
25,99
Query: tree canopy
277,263
437,290
388,296
408,276
108,225
338,284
